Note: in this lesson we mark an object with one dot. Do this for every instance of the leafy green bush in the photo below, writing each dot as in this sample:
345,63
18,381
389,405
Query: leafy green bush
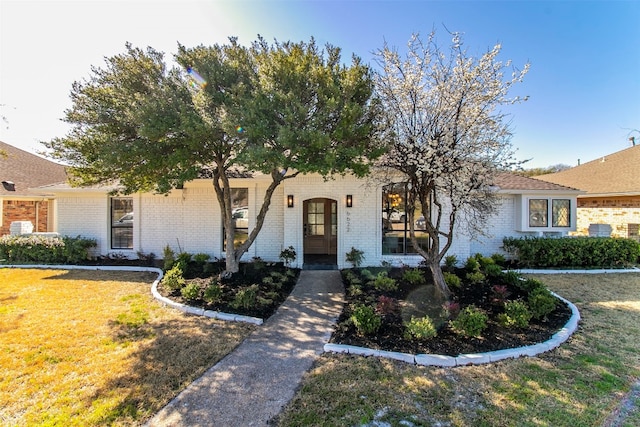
385,283
470,322
451,279
201,258
541,303
476,277
288,255
366,274
184,258
472,265
493,270
542,252
414,276
530,285
213,293
173,279
168,258
190,292
45,249
516,314
483,260
512,278
420,328
246,297
365,319
355,257
450,262
499,259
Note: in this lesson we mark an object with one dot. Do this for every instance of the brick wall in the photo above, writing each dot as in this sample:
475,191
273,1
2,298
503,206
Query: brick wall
618,212
190,220
25,210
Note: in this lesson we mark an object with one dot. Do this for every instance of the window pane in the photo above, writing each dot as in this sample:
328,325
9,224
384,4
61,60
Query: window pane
395,221
561,212
538,212
122,223
240,217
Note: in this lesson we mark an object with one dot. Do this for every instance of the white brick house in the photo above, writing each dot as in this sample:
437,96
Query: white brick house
317,217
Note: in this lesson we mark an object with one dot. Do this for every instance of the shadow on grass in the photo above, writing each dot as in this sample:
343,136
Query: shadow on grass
170,355
103,275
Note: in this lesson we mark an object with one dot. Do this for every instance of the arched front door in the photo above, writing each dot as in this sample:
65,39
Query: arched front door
320,227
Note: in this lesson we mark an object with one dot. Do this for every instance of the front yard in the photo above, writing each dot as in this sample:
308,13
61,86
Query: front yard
579,384
94,348
82,348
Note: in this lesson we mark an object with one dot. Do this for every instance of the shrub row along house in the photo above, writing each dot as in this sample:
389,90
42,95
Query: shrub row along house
321,219
611,202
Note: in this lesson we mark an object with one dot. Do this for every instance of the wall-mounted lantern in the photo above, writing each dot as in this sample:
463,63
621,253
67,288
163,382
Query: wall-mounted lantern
290,201
349,200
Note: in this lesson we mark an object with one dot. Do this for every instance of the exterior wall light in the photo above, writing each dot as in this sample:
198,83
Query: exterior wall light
290,201
349,200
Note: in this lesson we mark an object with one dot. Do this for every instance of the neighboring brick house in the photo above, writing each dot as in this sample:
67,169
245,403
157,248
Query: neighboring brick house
321,219
611,201
20,199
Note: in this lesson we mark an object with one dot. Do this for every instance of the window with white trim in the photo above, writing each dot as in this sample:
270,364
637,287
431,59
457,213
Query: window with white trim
540,210
122,222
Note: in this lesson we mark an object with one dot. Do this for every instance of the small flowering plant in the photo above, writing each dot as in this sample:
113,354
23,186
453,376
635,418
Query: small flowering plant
450,310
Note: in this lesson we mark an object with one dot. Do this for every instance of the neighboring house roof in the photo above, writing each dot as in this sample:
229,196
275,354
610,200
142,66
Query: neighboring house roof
26,171
615,174
511,181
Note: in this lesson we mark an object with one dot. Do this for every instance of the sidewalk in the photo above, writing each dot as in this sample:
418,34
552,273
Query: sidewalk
252,384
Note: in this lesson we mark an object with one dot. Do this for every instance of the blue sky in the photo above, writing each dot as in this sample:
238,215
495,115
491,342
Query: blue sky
583,86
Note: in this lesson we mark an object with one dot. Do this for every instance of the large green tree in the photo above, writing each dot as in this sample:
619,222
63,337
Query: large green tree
279,109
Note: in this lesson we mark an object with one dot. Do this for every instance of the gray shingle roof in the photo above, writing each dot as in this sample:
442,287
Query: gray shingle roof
27,171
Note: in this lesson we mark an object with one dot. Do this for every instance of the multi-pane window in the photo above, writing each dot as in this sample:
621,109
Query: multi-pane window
561,212
122,223
315,219
395,222
538,212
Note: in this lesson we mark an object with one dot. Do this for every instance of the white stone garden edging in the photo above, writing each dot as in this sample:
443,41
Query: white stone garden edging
154,290
493,356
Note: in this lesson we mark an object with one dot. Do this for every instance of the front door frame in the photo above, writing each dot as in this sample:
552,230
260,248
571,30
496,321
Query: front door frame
320,226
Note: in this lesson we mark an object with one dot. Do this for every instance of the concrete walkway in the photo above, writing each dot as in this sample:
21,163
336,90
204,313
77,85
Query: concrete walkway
252,384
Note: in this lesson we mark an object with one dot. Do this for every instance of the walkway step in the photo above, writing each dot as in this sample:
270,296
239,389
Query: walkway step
252,384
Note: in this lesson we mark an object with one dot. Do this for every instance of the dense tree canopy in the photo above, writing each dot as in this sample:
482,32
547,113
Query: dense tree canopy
270,108
447,135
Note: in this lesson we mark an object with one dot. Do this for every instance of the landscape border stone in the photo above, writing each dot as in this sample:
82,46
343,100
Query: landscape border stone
439,360
154,290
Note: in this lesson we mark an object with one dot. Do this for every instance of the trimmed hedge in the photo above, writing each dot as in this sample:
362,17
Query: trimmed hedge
588,252
42,249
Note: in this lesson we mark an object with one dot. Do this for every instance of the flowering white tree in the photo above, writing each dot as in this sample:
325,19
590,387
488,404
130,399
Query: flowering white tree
448,137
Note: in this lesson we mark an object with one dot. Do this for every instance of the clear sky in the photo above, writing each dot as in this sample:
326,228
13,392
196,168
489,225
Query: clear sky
583,86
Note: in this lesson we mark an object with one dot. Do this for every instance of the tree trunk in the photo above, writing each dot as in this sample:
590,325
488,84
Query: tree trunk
438,280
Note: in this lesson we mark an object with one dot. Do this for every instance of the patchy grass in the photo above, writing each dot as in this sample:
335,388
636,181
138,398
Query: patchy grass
579,384
81,348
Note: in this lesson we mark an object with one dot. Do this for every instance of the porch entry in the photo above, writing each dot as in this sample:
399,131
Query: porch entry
320,231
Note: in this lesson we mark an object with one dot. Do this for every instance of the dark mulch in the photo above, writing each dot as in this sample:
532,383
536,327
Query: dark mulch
274,280
391,335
